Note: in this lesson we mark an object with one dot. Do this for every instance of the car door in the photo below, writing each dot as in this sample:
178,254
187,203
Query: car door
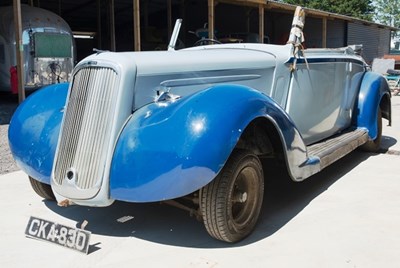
322,93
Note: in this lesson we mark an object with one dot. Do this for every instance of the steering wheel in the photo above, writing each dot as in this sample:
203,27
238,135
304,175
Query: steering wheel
206,41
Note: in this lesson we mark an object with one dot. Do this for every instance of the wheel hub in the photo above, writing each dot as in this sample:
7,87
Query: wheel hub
240,197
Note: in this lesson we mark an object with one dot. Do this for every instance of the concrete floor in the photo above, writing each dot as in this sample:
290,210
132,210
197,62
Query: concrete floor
346,216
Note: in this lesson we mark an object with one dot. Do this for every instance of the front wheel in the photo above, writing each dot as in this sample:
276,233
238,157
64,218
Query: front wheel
375,145
231,203
42,189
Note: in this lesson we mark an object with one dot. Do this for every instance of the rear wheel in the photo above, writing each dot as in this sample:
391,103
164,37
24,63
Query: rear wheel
231,203
375,145
42,189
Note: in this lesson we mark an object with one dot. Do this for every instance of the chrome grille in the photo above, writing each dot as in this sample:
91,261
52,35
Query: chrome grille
86,132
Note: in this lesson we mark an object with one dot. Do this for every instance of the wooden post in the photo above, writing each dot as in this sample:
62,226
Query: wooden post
324,29
112,26
136,25
211,9
19,50
261,23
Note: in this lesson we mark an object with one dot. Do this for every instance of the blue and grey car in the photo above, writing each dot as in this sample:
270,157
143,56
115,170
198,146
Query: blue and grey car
198,123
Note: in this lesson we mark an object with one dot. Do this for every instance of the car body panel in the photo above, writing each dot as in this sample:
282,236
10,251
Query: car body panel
323,92
170,149
34,131
374,87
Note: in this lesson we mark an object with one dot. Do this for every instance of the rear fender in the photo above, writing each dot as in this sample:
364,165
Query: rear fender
34,130
374,94
171,149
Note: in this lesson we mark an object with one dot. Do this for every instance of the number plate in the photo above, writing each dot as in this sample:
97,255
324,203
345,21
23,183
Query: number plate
73,238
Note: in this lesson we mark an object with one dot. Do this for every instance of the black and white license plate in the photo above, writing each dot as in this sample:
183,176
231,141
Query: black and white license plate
73,238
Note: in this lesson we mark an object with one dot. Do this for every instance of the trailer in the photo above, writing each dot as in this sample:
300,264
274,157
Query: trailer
48,49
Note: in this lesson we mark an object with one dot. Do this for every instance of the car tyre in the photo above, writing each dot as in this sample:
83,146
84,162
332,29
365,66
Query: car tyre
231,203
42,189
375,145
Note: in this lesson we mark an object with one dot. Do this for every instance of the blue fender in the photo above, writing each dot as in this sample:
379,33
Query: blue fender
171,149
34,130
373,88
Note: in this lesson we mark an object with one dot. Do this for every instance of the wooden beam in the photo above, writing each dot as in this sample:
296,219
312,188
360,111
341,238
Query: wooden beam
211,10
324,29
19,50
261,23
136,24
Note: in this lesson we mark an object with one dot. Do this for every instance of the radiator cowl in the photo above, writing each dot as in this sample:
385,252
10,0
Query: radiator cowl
93,118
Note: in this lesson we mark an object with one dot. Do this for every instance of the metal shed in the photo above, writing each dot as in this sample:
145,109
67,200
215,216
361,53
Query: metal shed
140,24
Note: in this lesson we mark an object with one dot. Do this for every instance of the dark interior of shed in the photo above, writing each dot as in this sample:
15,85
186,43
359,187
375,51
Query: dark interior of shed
93,17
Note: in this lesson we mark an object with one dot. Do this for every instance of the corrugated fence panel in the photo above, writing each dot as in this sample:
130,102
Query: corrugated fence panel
375,40
384,42
336,34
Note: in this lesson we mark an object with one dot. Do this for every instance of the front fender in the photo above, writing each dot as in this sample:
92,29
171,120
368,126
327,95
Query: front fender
171,149
34,130
373,90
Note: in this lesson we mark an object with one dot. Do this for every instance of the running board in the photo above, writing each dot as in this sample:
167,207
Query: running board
328,151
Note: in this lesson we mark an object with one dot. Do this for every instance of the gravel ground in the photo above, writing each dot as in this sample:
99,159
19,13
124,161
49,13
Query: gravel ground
8,104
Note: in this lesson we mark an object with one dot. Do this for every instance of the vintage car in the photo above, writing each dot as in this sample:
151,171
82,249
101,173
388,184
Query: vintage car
198,123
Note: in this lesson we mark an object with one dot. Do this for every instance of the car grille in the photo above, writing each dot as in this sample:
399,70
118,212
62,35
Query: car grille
86,132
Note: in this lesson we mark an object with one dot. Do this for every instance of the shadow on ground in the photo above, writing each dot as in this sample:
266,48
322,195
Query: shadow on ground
169,225
386,143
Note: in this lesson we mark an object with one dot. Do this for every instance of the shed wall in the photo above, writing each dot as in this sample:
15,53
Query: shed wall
375,41
336,34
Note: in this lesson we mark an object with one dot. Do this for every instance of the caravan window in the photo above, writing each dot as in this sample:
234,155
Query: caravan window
51,45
